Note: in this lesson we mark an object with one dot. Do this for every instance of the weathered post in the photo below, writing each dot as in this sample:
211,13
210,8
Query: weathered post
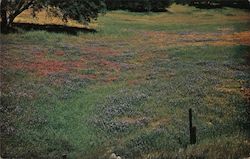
64,156
192,129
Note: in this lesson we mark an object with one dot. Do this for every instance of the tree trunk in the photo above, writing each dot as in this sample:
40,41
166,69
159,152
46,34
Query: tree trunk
8,19
4,22
4,19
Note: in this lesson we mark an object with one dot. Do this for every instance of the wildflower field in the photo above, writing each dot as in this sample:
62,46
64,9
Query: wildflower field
126,88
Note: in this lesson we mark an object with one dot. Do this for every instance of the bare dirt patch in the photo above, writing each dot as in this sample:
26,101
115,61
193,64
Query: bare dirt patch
158,123
246,93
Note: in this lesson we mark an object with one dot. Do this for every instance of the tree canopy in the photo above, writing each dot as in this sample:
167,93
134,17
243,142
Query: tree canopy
138,5
80,10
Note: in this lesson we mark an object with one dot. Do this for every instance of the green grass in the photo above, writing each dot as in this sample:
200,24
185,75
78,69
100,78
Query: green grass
127,88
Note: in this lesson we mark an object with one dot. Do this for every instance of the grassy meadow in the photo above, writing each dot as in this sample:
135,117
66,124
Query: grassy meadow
126,88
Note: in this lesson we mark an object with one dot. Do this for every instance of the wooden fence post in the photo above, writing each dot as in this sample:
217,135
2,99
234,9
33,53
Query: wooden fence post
64,156
192,129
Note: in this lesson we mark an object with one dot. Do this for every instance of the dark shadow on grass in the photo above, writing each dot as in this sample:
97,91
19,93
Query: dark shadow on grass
245,123
50,28
203,4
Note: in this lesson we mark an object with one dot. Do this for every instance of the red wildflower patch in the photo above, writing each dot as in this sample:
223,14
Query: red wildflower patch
44,67
39,54
110,65
92,76
76,64
47,67
60,53
41,65
111,78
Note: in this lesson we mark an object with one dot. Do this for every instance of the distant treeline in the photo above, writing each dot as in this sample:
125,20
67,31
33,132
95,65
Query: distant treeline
244,4
138,5
161,5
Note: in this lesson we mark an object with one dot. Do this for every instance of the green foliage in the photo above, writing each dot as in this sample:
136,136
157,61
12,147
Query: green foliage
79,10
216,3
138,5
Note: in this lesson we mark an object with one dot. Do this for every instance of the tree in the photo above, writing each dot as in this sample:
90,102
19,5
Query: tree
80,10
138,5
